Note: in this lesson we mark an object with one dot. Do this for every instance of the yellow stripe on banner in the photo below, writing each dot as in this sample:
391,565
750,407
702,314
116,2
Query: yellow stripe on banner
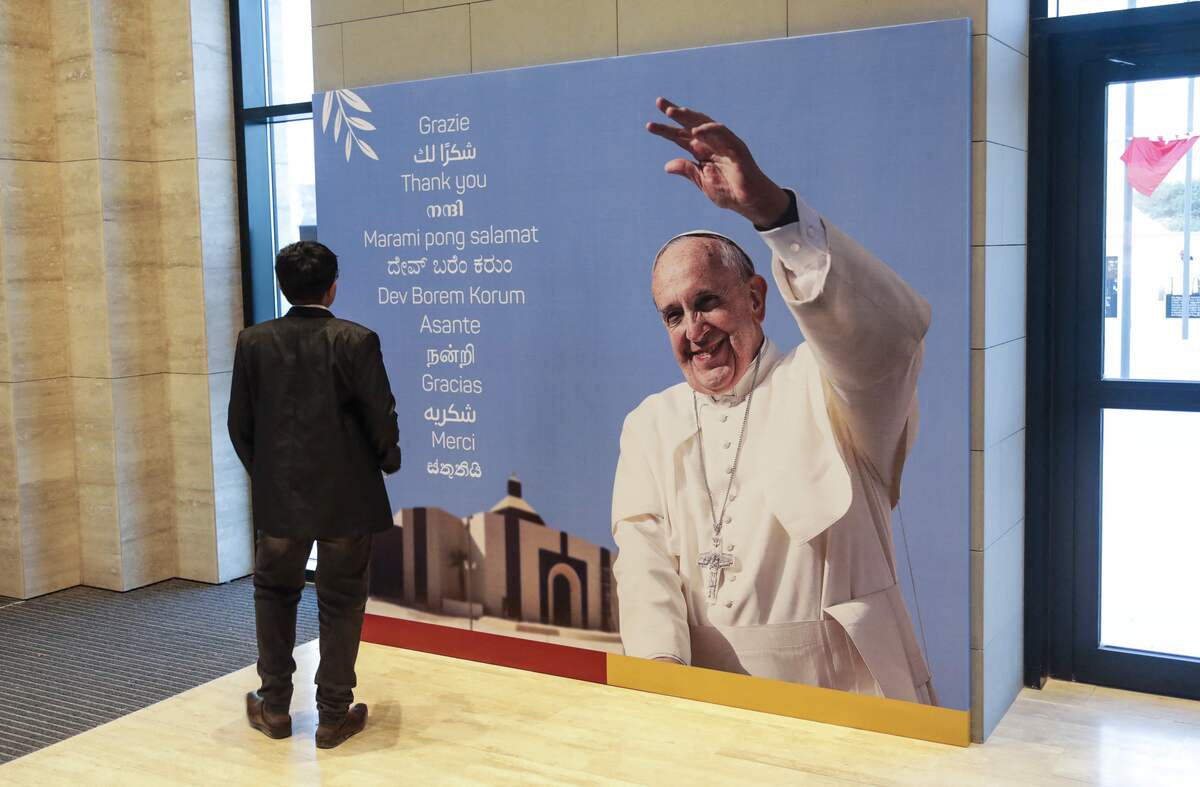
896,717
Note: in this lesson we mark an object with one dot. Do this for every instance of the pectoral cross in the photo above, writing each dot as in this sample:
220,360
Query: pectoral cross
716,562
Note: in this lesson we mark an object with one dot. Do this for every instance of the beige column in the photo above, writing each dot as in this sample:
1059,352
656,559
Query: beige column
119,250
211,493
39,533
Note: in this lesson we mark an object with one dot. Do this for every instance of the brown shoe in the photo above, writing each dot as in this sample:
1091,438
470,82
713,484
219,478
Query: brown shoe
271,724
330,735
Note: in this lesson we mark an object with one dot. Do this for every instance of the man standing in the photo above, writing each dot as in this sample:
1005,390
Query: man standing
312,417
751,504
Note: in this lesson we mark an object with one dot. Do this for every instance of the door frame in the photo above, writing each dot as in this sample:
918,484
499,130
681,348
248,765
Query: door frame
1072,59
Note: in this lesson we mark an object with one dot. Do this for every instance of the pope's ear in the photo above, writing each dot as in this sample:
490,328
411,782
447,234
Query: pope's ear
758,294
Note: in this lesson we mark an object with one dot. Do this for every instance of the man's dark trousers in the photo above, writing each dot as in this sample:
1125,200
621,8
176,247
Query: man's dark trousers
313,421
279,565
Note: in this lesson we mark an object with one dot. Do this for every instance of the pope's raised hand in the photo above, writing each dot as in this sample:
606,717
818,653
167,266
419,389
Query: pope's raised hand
721,165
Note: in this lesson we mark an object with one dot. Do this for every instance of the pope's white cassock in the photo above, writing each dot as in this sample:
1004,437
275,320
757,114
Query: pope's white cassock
811,595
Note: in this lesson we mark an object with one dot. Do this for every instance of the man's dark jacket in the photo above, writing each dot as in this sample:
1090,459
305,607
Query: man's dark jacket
312,417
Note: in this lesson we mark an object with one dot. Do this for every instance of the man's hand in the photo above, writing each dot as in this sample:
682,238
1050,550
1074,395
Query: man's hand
723,167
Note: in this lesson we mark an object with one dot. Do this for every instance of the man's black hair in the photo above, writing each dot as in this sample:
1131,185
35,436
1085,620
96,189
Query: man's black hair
306,270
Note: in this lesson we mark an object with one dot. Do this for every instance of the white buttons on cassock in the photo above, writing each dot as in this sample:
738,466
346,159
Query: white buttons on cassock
728,519
794,247
728,604
727,443
729,548
733,577
812,233
724,418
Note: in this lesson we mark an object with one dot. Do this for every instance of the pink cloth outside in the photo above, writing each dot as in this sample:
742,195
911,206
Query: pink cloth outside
1147,161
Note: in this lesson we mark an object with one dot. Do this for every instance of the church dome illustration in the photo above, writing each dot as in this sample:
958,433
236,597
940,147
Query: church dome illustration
513,503
505,563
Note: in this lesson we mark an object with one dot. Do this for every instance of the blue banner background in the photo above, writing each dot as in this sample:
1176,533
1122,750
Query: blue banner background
871,127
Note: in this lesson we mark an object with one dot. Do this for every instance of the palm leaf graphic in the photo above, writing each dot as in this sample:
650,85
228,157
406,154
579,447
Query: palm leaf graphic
354,100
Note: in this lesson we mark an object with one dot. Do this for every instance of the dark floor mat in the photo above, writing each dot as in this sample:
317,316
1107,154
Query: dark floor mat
73,660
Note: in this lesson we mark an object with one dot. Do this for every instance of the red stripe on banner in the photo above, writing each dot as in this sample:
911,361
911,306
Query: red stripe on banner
561,660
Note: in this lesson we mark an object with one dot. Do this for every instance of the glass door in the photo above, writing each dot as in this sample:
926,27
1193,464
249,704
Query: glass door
1137,389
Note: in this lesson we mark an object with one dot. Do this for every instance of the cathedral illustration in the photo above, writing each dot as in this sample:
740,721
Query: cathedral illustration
504,562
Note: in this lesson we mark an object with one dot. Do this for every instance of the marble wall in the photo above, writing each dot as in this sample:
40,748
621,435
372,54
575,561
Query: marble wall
121,297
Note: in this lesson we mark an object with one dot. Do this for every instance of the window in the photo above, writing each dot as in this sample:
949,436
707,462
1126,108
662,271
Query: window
274,126
1114,363
287,37
1077,7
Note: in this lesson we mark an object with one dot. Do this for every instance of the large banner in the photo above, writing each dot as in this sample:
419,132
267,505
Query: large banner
756,466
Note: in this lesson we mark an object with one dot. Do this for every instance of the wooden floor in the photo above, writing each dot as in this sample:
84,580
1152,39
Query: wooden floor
436,720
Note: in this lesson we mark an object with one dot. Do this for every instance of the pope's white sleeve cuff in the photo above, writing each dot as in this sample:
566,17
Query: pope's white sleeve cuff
803,249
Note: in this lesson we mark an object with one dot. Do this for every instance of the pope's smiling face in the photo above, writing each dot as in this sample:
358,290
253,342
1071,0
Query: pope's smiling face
712,315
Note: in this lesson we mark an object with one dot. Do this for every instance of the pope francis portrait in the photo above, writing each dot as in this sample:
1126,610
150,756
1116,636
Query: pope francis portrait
751,503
